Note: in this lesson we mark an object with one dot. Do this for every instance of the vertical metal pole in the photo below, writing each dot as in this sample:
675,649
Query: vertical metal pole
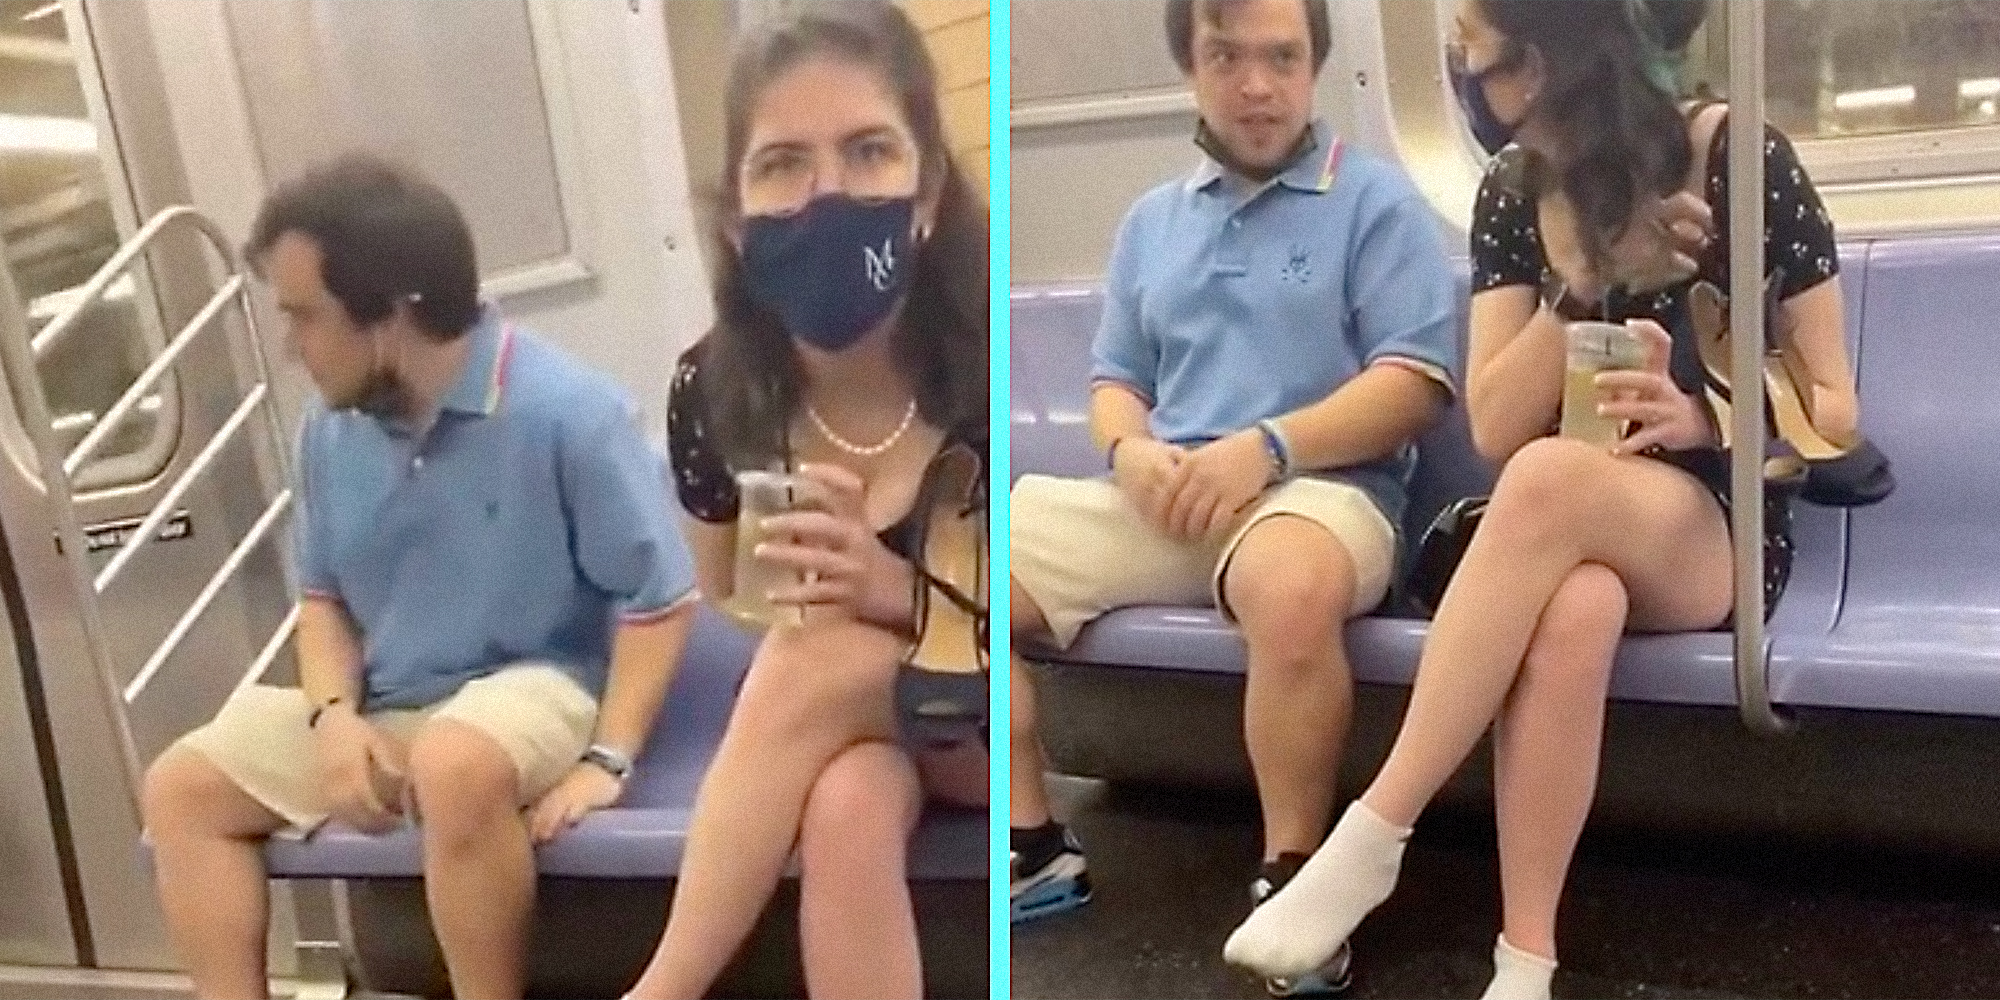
1746,324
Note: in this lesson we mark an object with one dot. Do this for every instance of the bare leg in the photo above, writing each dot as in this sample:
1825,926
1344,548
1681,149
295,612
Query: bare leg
1290,585
479,867
1558,504
856,929
811,693
1546,746
1028,799
208,861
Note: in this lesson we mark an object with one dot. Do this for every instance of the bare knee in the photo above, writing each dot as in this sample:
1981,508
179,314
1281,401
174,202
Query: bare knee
1544,484
185,794
860,809
464,782
1290,587
1586,615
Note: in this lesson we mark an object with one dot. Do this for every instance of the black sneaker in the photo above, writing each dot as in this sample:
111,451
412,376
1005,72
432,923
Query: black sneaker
1054,882
1333,977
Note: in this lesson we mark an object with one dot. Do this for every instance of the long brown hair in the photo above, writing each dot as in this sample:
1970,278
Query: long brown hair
751,378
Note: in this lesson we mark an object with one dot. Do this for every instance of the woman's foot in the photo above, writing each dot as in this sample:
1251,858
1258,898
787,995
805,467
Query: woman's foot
1519,975
1301,927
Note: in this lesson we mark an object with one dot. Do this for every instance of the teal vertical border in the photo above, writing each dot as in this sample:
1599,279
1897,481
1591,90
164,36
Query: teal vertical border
998,467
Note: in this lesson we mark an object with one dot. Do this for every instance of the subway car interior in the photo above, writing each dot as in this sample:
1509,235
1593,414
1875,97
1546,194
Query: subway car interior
152,408
1865,722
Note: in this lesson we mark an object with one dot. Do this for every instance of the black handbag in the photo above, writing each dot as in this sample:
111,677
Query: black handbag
1440,550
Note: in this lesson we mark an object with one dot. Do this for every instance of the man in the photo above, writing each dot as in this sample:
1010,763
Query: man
1277,329
486,551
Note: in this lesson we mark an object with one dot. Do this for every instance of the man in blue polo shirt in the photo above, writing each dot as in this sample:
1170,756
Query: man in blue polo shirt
1278,327
495,594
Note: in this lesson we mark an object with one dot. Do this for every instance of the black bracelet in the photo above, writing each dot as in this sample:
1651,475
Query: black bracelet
312,721
1111,454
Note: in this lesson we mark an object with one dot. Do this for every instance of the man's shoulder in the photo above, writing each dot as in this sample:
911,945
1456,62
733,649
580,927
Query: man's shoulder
547,383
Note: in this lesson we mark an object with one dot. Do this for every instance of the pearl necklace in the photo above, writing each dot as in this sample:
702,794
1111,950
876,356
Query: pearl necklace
864,451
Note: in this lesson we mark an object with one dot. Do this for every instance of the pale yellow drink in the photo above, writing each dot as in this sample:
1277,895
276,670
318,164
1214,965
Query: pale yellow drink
761,495
1594,348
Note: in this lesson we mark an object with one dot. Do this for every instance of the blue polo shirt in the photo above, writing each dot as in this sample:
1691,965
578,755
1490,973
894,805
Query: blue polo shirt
528,523
1224,306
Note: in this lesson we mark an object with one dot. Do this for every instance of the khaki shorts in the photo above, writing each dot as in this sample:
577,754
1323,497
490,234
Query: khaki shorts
260,740
1080,549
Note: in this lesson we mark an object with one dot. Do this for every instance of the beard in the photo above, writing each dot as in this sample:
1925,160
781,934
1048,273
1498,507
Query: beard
382,395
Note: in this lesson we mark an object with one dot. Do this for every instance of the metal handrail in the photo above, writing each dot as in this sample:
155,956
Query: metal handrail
21,353
93,290
87,447
216,581
1752,654
172,497
276,644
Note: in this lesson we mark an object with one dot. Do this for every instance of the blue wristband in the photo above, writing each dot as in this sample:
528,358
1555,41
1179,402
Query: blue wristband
1280,449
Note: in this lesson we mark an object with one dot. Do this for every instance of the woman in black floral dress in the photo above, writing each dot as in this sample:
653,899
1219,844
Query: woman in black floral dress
1601,209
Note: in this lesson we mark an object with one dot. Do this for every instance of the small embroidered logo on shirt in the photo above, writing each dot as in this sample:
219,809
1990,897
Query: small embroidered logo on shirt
492,510
1299,268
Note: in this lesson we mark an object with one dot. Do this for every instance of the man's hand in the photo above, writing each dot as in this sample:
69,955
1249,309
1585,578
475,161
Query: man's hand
1216,481
1145,471
587,788
361,770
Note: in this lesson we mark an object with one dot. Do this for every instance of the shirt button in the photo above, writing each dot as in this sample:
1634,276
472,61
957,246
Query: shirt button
1236,223
417,462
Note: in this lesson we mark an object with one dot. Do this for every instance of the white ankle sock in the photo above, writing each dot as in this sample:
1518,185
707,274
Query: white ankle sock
1298,929
1518,975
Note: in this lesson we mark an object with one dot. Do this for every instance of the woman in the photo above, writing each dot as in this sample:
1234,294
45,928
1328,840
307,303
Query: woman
1610,176
851,347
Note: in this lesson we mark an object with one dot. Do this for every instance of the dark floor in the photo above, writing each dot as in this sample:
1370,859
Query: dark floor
1644,916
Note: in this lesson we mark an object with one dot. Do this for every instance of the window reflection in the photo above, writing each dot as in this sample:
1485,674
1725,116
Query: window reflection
57,228
1836,68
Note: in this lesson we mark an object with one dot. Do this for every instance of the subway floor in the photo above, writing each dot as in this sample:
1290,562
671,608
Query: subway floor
1644,916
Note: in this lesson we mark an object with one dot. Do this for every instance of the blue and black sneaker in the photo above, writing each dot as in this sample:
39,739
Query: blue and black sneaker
1333,977
1048,873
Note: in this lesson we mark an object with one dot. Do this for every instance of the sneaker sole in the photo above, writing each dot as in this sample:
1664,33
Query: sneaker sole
1308,985
1048,900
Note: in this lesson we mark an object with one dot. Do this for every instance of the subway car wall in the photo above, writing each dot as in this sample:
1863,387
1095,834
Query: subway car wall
583,143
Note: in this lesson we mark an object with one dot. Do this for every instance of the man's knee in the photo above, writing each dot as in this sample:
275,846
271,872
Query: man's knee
1290,586
463,779
185,793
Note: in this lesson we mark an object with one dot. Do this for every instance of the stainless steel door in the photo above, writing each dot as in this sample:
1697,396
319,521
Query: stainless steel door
70,190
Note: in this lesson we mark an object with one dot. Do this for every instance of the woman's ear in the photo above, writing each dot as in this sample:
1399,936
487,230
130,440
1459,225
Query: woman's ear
929,198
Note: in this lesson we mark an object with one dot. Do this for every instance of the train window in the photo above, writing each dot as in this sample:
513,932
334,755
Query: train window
1838,68
57,227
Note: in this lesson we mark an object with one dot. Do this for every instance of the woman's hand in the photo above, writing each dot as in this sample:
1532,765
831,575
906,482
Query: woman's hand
841,561
1666,416
1659,247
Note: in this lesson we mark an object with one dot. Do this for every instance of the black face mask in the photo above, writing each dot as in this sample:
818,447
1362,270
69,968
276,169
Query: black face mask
1492,133
1206,139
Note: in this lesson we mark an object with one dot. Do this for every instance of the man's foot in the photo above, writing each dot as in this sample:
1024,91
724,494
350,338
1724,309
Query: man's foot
1048,873
1333,977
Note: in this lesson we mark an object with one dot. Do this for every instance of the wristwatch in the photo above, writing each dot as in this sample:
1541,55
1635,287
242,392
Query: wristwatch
609,761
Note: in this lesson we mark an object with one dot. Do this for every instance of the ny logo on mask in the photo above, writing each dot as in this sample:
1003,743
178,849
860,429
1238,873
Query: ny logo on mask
880,265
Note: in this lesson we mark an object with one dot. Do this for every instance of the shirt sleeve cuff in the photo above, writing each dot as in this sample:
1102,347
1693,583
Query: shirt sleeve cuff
649,615
1428,369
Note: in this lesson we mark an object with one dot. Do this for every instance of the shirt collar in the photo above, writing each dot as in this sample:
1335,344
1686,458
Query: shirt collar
1312,171
484,377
